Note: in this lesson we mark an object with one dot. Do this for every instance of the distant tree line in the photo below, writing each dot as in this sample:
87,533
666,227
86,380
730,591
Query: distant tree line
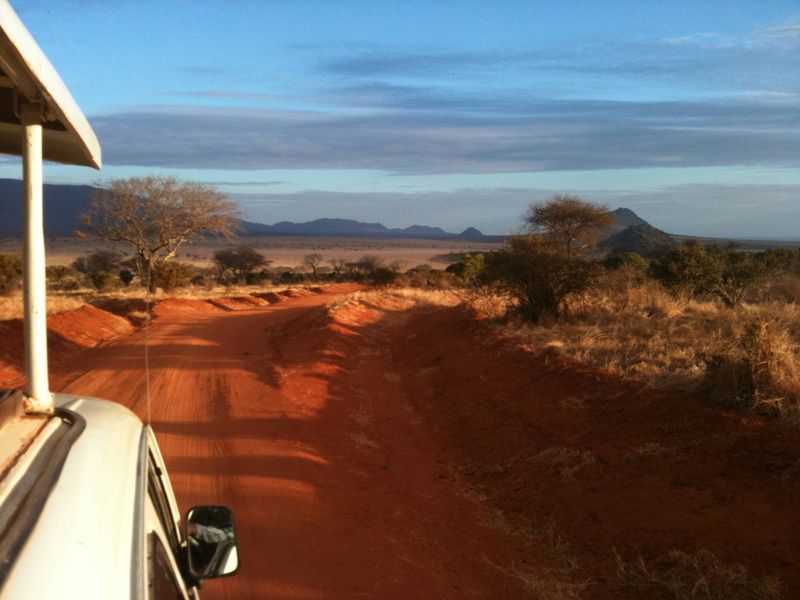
555,259
552,261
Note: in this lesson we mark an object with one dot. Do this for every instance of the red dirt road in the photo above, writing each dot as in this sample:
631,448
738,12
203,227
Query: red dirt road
382,450
301,426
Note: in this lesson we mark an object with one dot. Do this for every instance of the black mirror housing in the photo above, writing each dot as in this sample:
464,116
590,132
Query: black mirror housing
212,548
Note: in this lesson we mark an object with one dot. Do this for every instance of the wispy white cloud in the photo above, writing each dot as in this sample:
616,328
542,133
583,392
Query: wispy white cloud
784,35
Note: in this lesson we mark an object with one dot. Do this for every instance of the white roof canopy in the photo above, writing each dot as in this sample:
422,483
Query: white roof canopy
27,76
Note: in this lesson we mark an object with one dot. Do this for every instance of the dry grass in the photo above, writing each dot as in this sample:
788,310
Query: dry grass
759,371
396,298
699,576
11,306
644,333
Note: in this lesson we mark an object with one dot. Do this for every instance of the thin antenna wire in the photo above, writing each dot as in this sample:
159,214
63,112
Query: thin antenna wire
147,355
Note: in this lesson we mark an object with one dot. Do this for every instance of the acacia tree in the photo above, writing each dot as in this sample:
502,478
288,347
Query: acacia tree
240,260
550,261
313,261
156,215
570,222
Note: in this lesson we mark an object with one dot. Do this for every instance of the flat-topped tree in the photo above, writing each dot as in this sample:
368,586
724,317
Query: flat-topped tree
156,215
569,222
540,269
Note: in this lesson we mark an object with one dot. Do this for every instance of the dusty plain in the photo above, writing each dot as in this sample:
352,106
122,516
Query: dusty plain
283,250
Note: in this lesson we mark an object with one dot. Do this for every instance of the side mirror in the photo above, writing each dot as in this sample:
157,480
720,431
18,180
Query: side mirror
211,540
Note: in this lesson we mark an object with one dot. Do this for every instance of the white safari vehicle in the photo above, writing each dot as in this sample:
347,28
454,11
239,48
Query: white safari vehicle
87,510
86,507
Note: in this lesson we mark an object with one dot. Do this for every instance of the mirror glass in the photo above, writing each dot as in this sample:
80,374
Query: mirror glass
212,542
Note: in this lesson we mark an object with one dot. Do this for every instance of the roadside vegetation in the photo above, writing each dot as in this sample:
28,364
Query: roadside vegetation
719,322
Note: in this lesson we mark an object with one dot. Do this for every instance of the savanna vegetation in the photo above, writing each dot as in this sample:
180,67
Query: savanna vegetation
719,321
722,322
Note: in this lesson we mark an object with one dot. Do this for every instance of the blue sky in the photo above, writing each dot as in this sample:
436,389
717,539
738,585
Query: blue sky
445,113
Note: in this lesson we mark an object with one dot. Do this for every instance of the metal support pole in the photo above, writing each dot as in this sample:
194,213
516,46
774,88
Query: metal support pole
38,399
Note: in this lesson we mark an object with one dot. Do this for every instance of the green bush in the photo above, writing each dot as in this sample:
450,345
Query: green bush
237,263
626,260
104,280
537,275
10,273
468,268
99,260
173,274
688,271
290,277
693,271
257,278
64,278
382,276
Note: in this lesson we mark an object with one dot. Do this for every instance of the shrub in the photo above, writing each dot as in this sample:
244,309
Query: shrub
99,260
126,277
630,260
382,276
693,271
257,278
103,280
468,268
781,259
537,275
425,277
173,274
539,271
10,273
759,372
290,277
237,263
688,271
64,278
740,272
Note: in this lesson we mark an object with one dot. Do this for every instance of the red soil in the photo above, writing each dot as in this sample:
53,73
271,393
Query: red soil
404,454
238,302
87,326
67,333
171,306
668,473
271,297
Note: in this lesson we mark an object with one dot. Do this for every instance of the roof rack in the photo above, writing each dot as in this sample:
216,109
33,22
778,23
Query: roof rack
38,120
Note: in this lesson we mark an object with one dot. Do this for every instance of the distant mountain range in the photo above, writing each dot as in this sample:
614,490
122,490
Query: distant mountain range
63,207
349,227
65,203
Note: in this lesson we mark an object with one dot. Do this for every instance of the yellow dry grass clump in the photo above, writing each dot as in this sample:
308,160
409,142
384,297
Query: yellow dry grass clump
11,306
398,298
746,356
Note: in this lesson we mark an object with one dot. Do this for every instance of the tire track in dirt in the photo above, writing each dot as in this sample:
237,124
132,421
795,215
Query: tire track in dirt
302,425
